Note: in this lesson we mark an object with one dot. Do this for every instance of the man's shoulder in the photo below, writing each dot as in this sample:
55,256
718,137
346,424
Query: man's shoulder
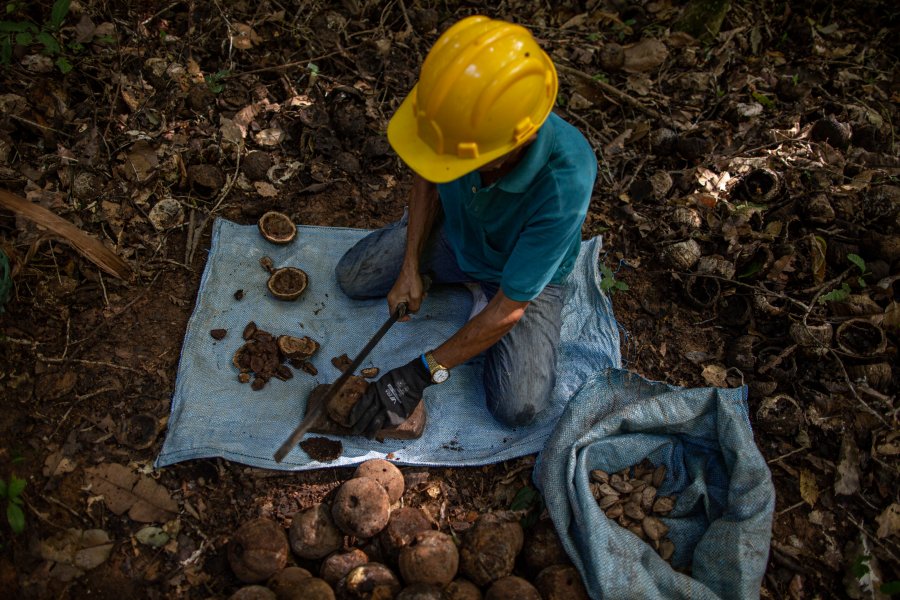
571,151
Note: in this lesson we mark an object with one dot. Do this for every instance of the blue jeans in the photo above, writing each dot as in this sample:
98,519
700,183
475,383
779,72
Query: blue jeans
520,369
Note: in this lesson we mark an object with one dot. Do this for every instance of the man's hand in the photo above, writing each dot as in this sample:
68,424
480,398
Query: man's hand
408,289
391,399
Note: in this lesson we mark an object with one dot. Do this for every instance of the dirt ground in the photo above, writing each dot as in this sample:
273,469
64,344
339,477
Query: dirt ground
748,197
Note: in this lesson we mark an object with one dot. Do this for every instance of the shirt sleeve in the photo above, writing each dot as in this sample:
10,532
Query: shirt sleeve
547,239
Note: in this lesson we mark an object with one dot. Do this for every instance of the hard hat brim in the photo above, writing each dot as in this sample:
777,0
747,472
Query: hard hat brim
403,136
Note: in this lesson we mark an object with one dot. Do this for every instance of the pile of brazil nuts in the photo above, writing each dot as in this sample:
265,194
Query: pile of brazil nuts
629,498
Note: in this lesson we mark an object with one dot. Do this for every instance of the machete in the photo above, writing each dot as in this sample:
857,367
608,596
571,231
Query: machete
316,412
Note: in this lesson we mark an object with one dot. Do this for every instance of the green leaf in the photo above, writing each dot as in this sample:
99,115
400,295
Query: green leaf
63,65
837,295
891,588
16,485
5,50
51,46
313,68
15,517
24,38
524,498
2,489
857,260
58,14
860,566
621,286
763,99
15,26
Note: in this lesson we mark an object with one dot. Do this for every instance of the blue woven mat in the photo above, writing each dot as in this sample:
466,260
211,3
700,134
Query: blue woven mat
213,415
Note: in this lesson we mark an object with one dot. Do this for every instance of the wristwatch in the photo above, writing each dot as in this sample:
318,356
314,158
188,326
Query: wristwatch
439,373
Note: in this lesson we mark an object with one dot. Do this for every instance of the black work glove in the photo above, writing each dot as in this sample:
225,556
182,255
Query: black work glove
391,399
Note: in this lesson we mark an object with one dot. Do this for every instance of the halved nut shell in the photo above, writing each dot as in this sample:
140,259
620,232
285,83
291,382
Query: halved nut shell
297,347
288,283
277,227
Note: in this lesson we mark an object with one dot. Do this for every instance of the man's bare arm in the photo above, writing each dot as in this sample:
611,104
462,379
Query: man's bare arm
483,331
424,206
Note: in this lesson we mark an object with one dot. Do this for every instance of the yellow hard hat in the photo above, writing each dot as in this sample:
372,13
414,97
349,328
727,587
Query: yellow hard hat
485,88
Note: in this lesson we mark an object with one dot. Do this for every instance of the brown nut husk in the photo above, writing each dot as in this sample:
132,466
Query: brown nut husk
421,591
385,473
860,337
489,549
335,567
341,404
277,227
512,588
299,348
560,582
542,547
253,592
287,283
877,375
431,557
462,589
402,527
312,588
682,255
370,581
663,505
313,533
258,550
361,507
285,581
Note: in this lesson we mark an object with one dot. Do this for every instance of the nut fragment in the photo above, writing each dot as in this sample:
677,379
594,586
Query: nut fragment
663,505
654,528
600,476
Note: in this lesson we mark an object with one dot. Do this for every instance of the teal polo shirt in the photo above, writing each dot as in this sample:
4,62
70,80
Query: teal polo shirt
524,231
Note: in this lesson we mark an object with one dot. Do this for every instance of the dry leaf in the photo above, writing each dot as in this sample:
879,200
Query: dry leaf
57,464
265,189
644,56
141,162
846,481
888,521
244,37
715,375
75,551
145,500
809,491
270,137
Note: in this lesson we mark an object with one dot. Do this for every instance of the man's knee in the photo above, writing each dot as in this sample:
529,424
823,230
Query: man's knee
346,273
517,405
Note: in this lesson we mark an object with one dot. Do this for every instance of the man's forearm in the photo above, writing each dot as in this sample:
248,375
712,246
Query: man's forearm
483,331
424,205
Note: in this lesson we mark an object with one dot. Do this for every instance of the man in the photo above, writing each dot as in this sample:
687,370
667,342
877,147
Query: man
500,191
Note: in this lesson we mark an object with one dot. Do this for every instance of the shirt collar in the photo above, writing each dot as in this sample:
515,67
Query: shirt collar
519,179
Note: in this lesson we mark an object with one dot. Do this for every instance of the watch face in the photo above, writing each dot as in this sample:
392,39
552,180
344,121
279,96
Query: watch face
440,376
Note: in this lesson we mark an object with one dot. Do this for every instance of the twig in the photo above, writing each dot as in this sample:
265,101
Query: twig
296,63
24,120
853,389
97,363
875,539
790,508
612,91
222,194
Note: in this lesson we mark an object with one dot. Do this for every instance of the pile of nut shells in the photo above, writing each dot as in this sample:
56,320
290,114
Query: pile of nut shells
263,355
361,544
630,498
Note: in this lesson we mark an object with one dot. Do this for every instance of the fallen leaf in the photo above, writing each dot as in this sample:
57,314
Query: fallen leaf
244,37
644,56
265,189
76,551
270,137
141,162
809,491
715,375
57,464
888,521
152,536
846,481
145,500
